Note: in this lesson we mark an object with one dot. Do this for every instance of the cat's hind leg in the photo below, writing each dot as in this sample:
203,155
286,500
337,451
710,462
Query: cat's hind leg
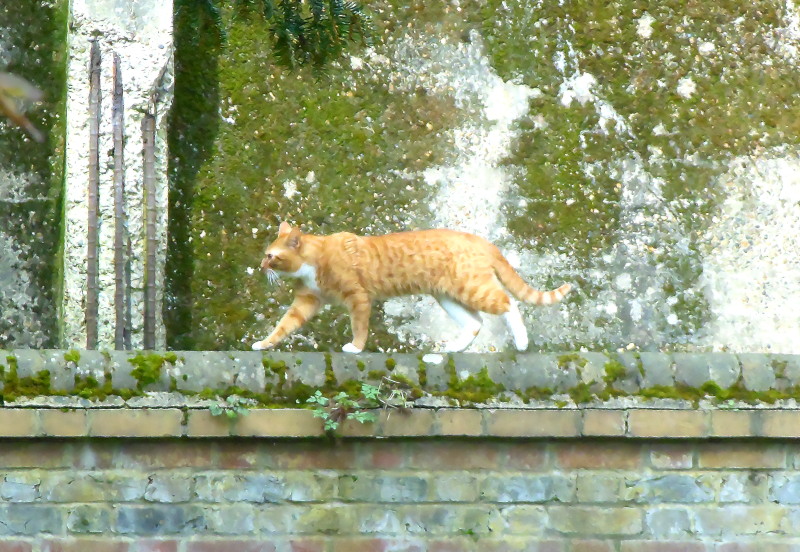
468,319
359,305
516,326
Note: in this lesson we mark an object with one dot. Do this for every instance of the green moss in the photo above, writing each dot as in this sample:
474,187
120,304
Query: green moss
538,393
564,361
422,372
330,375
147,369
476,388
361,366
376,374
581,393
28,386
614,371
390,363
35,48
72,356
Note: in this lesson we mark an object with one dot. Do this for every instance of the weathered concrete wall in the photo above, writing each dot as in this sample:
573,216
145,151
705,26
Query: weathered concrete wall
140,33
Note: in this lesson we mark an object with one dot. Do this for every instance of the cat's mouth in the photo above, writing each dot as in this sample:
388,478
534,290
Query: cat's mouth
272,276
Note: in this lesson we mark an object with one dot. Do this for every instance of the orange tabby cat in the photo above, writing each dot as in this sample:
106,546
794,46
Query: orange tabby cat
462,271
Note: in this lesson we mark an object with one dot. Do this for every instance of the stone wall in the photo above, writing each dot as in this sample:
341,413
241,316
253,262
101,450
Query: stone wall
158,472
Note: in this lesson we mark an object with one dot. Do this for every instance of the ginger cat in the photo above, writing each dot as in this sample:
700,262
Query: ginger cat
462,271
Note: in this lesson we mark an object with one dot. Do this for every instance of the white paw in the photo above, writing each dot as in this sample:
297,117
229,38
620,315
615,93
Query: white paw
350,348
521,343
260,346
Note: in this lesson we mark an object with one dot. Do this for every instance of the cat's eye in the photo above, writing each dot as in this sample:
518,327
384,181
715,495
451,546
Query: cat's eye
269,255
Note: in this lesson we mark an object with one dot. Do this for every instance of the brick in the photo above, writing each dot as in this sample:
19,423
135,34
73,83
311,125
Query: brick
20,486
526,455
744,486
241,454
166,422
591,546
147,454
671,488
310,455
201,423
56,423
657,546
524,519
535,488
595,521
409,423
520,544
92,454
234,519
307,545
604,423
732,423
532,423
84,545
168,487
383,455
88,518
667,423
326,519
758,545
158,520
455,487
459,422
230,546
595,486
355,428
458,544
154,546
73,487
15,546
785,488
668,523
453,455
377,545
598,455
18,422
738,520
278,423
476,520
31,519
780,423
44,454
742,455
383,488
672,456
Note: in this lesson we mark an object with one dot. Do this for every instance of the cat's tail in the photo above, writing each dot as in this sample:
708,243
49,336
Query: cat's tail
521,290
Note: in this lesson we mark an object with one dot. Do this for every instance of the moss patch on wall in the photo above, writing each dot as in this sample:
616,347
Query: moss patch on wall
33,46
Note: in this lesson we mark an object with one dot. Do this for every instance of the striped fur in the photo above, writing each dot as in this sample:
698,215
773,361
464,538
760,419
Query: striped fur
464,272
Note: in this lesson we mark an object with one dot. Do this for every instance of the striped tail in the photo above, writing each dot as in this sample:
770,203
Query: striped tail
521,290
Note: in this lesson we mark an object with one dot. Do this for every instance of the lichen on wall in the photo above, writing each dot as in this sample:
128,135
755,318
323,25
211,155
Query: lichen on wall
30,175
593,143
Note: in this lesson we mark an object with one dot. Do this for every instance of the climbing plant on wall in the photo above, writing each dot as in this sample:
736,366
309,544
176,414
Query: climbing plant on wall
304,31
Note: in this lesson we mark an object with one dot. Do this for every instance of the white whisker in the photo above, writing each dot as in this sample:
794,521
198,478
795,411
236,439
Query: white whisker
272,276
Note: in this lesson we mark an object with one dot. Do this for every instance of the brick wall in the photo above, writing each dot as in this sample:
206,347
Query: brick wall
158,473
446,494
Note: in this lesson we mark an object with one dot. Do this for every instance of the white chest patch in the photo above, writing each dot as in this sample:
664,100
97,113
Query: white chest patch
306,274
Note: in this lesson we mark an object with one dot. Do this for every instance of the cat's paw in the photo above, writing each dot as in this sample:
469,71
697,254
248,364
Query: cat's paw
350,348
261,345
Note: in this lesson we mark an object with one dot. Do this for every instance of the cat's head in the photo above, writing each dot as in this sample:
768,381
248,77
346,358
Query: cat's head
283,254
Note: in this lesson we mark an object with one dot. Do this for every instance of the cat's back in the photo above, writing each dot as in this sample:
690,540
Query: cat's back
424,261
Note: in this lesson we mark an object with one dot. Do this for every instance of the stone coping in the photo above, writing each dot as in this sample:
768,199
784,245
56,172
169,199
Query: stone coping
396,423
194,371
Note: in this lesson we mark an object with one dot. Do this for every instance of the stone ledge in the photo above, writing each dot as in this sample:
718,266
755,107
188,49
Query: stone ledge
416,423
619,380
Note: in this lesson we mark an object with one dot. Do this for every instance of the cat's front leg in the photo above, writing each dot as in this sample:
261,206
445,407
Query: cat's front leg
359,305
305,305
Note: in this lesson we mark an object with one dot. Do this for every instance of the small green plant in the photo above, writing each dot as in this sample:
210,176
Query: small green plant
342,406
233,407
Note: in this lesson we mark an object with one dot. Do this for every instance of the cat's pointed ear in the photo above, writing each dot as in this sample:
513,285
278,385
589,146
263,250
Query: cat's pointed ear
284,228
293,241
